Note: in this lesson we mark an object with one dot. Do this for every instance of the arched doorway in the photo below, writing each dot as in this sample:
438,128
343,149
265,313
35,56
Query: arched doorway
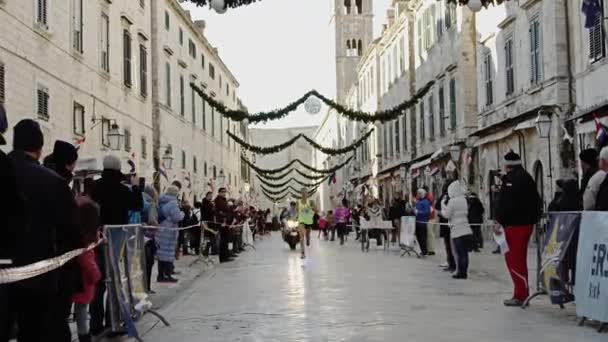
539,178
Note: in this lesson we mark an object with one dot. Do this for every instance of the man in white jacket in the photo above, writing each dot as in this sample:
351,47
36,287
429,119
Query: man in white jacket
593,188
455,209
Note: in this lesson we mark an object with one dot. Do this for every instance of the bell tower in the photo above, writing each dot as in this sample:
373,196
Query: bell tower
354,33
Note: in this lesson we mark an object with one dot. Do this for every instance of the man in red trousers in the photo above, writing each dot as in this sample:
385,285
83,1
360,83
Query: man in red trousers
519,209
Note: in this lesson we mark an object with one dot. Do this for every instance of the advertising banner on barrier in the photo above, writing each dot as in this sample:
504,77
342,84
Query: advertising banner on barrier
554,269
592,267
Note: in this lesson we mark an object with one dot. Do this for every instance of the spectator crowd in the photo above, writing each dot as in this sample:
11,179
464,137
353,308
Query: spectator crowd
44,218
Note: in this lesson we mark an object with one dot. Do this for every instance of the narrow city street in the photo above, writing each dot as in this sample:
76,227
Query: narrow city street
342,294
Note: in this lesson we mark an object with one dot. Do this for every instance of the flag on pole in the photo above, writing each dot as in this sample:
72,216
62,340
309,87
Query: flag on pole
78,142
592,9
601,131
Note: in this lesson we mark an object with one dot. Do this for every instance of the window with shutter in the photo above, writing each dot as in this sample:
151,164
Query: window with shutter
182,96
385,138
194,164
427,29
212,121
77,25
404,130
183,159
127,58
401,55
43,103
439,20
453,118
105,42
143,70
167,22
181,37
127,138
597,44
535,51
144,147
420,48
193,104
441,98
431,117
450,15
204,119
78,119
389,137
2,93
105,129
421,122
509,65
487,62
42,13
168,84
397,137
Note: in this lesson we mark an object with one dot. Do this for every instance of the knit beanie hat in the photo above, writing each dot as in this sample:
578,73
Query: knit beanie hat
27,136
64,153
589,156
172,191
111,162
512,159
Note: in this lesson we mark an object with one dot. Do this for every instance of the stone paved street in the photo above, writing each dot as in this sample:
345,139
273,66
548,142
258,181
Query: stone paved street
341,294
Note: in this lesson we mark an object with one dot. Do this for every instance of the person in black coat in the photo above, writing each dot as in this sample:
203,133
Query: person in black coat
50,231
396,211
12,211
444,230
590,165
208,216
222,215
115,200
567,197
519,209
476,212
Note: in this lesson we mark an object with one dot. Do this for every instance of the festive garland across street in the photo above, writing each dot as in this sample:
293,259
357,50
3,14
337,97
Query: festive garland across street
278,192
275,199
281,169
276,178
354,115
292,179
280,147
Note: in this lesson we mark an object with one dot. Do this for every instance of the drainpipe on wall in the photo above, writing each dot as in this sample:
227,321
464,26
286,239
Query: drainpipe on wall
154,62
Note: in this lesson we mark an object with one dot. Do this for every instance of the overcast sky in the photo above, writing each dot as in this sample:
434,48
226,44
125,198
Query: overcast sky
278,50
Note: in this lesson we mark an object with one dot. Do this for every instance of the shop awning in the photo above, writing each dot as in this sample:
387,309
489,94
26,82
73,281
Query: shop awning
421,163
494,137
531,123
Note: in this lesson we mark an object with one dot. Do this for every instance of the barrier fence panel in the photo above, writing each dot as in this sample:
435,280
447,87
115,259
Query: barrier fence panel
592,267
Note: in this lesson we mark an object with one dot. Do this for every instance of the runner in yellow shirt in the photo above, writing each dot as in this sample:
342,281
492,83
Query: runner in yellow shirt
306,212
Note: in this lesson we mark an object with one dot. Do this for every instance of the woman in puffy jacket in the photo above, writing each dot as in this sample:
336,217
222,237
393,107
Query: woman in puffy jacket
169,217
455,209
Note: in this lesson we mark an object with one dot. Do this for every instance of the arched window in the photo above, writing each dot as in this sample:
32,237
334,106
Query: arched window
348,45
360,48
214,173
346,6
359,4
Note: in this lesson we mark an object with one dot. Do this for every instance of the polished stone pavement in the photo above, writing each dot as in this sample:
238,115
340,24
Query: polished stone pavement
342,294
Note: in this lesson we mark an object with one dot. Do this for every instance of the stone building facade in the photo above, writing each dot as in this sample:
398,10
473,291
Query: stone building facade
78,67
205,157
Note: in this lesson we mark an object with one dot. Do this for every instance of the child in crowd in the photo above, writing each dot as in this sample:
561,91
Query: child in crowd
322,226
88,220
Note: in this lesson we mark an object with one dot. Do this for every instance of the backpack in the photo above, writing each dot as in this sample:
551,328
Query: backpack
601,201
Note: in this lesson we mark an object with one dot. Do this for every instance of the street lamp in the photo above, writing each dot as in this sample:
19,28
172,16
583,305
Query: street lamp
114,137
168,158
455,152
221,178
543,124
247,187
543,127
475,5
